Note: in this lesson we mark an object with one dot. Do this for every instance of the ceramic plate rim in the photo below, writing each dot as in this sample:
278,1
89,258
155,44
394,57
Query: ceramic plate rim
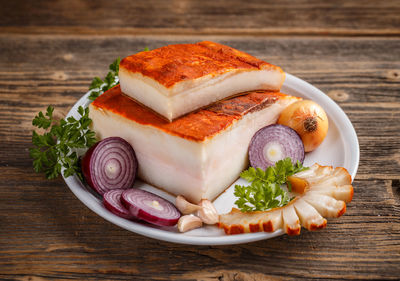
291,82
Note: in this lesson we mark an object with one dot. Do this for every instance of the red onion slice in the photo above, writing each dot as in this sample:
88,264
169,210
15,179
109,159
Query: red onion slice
112,202
110,164
149,207
273,143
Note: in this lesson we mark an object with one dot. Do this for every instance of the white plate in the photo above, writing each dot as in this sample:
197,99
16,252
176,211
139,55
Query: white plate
340,148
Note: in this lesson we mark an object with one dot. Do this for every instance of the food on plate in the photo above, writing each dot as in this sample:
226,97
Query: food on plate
273,143
329,190
184,206
110,164
150,207
177,79
99,86
309,120
56,147
264,191
189,222
208,214
198,155
112,202
204,211
297,184
227,96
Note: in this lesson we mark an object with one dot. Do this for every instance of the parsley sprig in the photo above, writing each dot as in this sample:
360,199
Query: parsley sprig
265,190
99,86
55,149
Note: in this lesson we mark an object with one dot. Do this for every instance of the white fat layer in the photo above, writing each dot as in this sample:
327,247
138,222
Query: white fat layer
196,170
189,95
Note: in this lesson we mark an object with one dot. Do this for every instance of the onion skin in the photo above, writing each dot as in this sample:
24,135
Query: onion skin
309,120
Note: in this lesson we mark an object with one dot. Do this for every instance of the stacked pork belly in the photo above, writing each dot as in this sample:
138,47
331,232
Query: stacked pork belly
190,111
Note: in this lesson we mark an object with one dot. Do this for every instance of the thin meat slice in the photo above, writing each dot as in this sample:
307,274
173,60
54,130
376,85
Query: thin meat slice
323,198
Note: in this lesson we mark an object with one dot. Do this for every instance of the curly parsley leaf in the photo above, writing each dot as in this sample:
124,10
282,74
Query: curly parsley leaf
264,191
42,121
99,86
54,149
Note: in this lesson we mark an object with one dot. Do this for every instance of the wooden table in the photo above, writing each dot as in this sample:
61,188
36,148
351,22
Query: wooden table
50,51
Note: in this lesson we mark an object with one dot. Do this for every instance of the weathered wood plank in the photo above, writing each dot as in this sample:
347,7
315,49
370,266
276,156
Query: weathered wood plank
54,234
48,234
353,17
350,70
354,72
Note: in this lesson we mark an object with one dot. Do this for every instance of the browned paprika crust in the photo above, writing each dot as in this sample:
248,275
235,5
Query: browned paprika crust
196,126
175,63
314,227
268,227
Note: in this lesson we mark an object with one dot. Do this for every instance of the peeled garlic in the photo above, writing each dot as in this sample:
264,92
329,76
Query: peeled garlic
184,206
208,213
189,222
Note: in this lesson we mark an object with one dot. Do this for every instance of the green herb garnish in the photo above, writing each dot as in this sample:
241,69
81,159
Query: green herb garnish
54,149
99,86
265,190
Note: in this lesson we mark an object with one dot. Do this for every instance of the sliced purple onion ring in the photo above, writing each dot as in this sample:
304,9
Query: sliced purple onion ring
149,207
110,164
273,143
112,202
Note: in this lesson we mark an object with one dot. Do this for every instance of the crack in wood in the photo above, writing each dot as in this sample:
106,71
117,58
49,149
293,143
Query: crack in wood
396,189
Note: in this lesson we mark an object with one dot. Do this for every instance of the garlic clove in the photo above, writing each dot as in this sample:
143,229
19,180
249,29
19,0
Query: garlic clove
185,207
208,213
189,222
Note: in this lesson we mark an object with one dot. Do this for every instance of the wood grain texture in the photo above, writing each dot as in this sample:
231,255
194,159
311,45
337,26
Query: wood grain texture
355,73
50,51
355,17
49,234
